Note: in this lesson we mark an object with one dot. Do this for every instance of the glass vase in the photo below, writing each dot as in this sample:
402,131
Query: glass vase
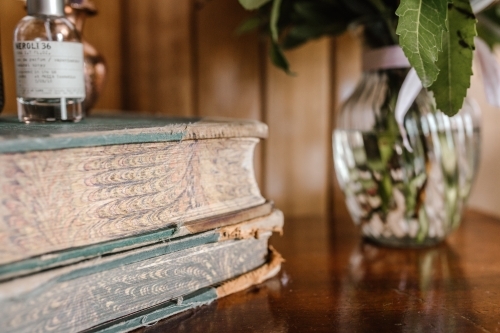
399,197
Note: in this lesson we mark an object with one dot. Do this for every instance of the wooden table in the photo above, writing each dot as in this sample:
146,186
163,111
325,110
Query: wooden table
332,281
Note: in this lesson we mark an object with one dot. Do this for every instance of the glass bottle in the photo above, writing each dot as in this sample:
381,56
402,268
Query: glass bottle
397,197
49,65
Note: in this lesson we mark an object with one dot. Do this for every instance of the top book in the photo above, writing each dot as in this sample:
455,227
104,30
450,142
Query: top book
66,186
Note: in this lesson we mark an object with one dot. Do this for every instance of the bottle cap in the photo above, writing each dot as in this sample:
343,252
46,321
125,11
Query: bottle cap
45,7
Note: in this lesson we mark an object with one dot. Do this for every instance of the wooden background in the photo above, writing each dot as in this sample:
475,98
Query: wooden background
181,57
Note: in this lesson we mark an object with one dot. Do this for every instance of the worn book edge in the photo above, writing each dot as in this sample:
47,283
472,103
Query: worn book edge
202,297
105,130
23,287
254,277
71,256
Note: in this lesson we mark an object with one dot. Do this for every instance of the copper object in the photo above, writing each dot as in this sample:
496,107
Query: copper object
95,66
2,98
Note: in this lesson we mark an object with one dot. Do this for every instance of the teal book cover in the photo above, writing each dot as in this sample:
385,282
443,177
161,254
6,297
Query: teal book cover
126,290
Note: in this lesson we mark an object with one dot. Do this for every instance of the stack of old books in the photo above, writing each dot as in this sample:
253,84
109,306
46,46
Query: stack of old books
116,223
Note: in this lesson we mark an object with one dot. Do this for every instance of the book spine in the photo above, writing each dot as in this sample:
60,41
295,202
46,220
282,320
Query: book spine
75,301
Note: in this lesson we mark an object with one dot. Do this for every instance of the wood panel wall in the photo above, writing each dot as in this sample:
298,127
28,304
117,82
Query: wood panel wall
10,13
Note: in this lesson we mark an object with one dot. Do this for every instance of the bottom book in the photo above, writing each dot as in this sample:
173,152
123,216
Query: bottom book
121,292
199,298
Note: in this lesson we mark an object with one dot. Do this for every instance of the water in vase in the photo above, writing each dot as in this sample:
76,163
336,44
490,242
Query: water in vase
402,197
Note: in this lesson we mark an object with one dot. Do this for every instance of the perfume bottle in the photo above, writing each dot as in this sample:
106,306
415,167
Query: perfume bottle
49,64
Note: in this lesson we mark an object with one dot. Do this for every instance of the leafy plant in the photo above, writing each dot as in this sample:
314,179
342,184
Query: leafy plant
437,36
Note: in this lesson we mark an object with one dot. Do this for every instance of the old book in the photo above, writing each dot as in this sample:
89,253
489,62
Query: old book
69,186
123,291
169,233
194,300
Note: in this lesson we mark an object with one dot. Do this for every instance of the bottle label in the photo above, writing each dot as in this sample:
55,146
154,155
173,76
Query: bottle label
49,69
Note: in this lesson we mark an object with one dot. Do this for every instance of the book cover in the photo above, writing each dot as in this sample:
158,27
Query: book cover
194,300
123,291
72,255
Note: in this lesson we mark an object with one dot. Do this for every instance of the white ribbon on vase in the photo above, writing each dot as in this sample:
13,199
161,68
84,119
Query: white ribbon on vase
479,5
393,57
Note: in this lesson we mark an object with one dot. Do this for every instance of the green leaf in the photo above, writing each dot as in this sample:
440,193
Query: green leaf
492,13
379,5
455,62
273,24
279,59
276,53
319,13
299,34
488,25
421,26
253,4
248,25
360,7
488,30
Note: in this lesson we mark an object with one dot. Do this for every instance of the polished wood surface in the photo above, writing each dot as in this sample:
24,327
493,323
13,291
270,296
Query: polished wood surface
332,281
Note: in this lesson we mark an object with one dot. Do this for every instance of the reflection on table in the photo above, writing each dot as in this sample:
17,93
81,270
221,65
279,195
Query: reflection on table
333,281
